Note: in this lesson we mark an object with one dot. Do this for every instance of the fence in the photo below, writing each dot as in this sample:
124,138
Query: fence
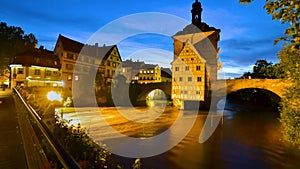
41,148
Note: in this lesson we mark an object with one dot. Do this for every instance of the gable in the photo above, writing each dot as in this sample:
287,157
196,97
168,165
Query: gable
190,55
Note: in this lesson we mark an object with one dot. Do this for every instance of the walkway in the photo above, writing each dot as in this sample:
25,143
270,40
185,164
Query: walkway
12,154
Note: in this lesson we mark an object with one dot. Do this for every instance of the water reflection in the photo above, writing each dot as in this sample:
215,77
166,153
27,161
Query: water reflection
246,139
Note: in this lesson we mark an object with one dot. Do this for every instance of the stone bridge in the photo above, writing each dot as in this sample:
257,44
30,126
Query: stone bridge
221,88
145,89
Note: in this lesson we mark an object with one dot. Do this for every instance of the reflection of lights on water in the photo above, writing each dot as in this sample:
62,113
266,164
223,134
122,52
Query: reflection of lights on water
54,96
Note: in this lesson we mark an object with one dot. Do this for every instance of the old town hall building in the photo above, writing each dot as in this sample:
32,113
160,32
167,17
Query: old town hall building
195,63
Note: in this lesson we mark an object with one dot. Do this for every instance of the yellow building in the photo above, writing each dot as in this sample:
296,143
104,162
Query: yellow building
39,68
195,63
78,59
152,74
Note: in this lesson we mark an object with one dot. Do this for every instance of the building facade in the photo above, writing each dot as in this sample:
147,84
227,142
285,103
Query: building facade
195,63
141,72
77,60
36,68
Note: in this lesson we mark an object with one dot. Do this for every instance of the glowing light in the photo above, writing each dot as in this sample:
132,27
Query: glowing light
15,65
54,96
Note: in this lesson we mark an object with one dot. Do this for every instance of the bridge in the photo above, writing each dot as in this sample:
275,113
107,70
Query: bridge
144,89
275,86
221,88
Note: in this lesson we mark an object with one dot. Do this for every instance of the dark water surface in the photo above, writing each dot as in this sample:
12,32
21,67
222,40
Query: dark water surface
246,139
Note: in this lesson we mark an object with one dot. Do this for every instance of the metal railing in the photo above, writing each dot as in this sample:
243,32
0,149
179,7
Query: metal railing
32,128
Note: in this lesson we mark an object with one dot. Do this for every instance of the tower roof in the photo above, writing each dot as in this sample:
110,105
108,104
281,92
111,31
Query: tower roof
197,25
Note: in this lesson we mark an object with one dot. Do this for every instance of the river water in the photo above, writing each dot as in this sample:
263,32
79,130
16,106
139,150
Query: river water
247,138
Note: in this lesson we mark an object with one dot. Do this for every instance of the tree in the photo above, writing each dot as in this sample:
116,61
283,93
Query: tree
265,70
261,69
288,11
13,40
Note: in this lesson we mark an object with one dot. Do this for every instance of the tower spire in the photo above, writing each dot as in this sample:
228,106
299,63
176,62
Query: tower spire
196,13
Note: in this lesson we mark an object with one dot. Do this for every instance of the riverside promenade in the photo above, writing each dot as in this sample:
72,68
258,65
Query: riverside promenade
12,154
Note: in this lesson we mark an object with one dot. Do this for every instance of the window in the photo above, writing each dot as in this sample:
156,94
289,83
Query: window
20,70
69,77
70,56
37,60
37,72
49,62
78,68
197,92
198,67
192,59
199,79
69,66
55,73
76,77
92,61
190,79
114,64
85,68
108,72
187,68
48,73
108,63
176,68
174,79
180,79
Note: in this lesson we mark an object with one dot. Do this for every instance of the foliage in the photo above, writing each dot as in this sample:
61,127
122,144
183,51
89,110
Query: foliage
264,69
13,40
290,105
76,141
288,12
137,164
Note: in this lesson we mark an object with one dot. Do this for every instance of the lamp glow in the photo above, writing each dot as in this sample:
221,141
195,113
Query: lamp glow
54,96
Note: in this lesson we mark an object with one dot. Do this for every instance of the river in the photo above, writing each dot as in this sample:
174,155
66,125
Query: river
247,138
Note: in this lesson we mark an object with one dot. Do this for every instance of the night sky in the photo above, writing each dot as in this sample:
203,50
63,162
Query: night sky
247,32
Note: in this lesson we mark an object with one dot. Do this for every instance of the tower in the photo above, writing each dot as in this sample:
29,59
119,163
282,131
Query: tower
195,62
196,13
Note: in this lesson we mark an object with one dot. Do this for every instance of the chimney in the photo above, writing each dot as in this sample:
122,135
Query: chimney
104,45
96,44
41,47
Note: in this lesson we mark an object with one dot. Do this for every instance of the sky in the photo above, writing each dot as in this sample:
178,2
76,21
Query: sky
247,32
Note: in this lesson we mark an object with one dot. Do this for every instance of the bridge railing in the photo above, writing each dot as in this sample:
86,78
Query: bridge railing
42,150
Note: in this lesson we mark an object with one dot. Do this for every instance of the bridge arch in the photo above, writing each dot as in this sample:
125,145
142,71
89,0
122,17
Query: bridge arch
275,86
269,86
145,89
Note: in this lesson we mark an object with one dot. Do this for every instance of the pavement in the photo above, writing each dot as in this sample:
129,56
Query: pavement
12,155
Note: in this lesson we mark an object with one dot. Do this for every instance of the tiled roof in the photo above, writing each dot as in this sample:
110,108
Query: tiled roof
37,57
70,45
89,50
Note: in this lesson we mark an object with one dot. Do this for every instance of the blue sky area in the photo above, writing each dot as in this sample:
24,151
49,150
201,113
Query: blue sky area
247,32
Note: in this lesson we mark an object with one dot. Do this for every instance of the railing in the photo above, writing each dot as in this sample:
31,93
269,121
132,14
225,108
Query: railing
36,137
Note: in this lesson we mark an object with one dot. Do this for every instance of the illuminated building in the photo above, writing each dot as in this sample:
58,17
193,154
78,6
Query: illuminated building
78,59
195,63
39,67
